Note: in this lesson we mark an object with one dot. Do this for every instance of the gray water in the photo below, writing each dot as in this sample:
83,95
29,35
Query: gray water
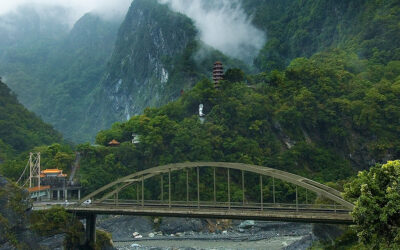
283,242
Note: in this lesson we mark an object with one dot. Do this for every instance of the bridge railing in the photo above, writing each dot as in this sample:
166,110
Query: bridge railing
221,205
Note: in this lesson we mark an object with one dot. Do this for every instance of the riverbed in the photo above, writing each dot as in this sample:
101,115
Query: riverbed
129,232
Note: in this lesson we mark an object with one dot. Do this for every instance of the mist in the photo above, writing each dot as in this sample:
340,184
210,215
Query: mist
74,8
223,25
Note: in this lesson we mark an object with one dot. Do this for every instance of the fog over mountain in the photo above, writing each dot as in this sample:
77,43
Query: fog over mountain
223,25
76,8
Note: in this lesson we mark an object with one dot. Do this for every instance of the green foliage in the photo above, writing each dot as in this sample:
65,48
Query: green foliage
298,29
20,130
58,78
347,241
234,75
56,155
103,240
55,221
377,212
51,221
298,120
13,217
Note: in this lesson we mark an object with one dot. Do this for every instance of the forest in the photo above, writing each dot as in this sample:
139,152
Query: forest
20,129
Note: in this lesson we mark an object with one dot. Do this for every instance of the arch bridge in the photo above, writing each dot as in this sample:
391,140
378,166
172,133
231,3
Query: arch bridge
105,200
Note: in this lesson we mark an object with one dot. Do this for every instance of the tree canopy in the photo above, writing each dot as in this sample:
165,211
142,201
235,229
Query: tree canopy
376,193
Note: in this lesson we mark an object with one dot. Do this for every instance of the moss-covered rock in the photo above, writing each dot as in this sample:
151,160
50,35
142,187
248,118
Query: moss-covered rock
14,214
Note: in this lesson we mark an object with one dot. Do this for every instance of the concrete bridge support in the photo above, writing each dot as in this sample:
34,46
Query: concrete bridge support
90,229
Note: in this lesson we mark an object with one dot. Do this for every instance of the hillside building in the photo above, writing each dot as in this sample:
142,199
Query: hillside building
114,143
55,186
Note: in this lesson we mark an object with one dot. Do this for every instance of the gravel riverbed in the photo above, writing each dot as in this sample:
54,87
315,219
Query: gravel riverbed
131,232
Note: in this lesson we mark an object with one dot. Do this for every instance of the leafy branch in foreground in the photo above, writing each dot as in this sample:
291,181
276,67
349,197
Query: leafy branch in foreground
377,212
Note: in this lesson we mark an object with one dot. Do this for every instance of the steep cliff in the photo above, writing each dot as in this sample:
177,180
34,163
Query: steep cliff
149,38
156,56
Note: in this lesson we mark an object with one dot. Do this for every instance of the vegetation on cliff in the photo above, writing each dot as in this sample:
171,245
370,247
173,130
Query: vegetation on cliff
300,29
62,70
322,118
20,129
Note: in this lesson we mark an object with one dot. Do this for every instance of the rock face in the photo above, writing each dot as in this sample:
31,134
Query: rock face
15,232
122,227
55,242
179,225
325,232
149,40
14,206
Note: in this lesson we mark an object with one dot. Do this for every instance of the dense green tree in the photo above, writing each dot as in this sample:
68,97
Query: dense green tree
377,211
234,75
21,130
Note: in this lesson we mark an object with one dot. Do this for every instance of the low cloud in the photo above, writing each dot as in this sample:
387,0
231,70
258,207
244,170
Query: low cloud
223,25
75,8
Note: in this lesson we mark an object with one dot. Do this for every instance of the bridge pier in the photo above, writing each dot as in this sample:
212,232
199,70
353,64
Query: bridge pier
169,188
261,193
90,229
229,191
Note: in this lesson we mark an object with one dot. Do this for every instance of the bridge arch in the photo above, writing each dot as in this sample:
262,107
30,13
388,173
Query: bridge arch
124,182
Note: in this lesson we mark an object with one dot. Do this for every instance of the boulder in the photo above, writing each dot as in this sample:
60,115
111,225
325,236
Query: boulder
175,225
247,224
122,227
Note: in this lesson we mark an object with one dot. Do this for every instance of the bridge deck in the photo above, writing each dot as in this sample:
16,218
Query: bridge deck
242,213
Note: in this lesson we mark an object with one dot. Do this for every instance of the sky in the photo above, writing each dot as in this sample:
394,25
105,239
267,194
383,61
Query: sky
77,8
224,25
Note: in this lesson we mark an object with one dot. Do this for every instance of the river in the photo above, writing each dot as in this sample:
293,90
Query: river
279,242
185,233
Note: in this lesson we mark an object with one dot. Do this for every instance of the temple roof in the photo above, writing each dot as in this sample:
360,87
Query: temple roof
114,142
52,171
35,189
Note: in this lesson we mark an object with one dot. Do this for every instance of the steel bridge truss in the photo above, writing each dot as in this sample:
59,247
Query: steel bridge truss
112,190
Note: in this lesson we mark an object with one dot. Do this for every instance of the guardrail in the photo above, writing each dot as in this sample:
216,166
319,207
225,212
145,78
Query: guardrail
322,208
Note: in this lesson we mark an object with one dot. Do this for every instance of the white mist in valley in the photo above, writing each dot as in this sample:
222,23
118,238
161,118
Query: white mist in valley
74,9
223,25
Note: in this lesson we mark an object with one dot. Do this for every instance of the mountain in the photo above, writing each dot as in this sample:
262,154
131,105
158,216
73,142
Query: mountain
77,66
54,70
20,129
154,59
301,28
100,72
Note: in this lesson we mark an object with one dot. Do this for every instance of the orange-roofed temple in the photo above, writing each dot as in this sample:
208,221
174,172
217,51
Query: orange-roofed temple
55,186
114,143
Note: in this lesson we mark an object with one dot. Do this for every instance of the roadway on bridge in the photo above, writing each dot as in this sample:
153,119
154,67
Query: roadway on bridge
269,212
